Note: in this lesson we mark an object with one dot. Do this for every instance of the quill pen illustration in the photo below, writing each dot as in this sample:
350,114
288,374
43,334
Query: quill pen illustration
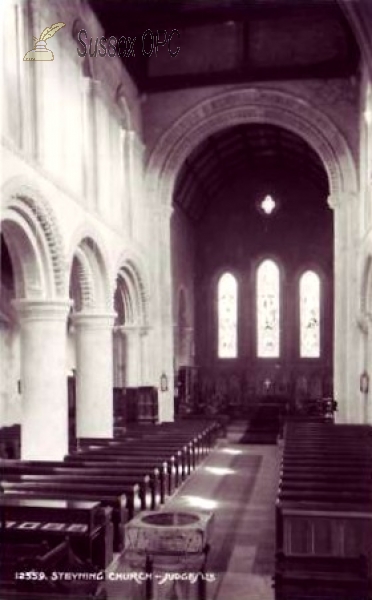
40,50
50,31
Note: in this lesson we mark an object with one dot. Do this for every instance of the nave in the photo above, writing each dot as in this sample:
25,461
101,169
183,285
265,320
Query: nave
273,521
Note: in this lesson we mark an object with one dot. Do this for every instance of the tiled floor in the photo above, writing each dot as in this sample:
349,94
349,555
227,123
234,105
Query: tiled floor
238,483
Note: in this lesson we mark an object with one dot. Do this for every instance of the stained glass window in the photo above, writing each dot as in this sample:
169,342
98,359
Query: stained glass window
310,315
227,316
268,305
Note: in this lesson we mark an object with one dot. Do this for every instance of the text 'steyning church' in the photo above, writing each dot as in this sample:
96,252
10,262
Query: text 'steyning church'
186,299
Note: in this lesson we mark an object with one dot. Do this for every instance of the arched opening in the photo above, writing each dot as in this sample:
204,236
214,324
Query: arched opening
10,393
89,343
33,321
245,194
134,398
130,324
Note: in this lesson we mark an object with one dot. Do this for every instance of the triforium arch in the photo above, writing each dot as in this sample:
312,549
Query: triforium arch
34,242
254,105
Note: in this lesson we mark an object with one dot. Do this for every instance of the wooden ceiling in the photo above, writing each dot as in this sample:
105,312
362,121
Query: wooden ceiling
231,41
257,150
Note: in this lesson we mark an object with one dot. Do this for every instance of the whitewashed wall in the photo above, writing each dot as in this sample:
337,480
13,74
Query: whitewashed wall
72,137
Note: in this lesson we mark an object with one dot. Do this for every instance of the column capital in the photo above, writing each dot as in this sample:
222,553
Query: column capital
132,329
93,319
343,198
42,310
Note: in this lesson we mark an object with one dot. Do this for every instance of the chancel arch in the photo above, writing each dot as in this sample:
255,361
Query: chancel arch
313,126
222,191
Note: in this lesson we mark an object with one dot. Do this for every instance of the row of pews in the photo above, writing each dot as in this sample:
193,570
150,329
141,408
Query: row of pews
324,513
81,504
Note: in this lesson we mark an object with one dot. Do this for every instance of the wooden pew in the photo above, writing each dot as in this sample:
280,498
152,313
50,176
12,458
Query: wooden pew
86,469
298,484
317,476
190,448
316,528
87,524
180,455
324,511
123,484
321,577
159,460
122,510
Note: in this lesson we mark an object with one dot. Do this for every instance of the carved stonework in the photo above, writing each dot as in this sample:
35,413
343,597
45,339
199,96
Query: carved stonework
129,269
250,106
21,197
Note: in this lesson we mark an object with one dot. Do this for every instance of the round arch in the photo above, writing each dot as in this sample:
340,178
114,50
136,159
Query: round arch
252,105
34,241
133,293
88,268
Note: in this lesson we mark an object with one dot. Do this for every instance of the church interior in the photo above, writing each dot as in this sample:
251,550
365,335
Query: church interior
186,300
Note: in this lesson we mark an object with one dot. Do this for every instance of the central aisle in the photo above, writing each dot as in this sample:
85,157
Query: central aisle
238,483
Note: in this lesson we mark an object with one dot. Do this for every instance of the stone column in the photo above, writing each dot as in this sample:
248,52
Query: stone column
94,374
131,345
118,359
340,309
166,363
365,325
44,432
145,355
346,347
353,346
